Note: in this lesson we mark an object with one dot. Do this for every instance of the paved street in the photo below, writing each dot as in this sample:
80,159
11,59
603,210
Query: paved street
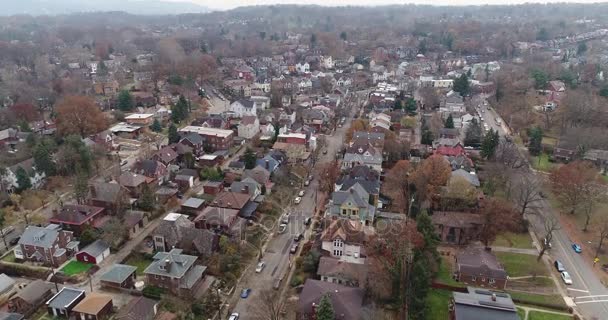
276,255
590,295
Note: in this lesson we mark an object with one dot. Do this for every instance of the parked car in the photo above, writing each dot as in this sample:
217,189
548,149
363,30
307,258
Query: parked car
245,293
260,266
301,193
559,266
234,316
14,241
8,230
297,200
307,221
282,228
276,283
298,237
577,248
306,183
294,248
566,277
123,162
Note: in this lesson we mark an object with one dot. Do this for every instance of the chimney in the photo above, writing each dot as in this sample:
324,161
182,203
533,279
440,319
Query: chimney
494,297
267,164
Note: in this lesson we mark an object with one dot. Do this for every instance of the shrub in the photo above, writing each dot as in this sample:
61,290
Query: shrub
296,281
153,292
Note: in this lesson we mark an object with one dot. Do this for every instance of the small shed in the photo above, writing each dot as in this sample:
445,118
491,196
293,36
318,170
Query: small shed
193,206
119,276
62,303
94,253
94,306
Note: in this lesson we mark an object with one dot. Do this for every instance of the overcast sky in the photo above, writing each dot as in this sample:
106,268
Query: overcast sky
229,4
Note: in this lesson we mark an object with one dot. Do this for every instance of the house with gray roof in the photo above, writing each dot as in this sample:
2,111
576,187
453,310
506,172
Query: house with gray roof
354,204
247,186
175,272
244,107
30,298
11,316
62,303
482,304
49,245
10,175
119,276
108,195
6,283
94,253
139,308
347,302
366,155
177,231
470,177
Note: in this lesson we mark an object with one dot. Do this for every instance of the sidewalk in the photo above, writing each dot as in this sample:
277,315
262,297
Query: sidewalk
528,309
532,252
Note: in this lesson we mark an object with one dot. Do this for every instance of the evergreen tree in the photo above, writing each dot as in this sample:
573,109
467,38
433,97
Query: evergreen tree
536,139
424,225
180,110
461,85
173,135
489,144
125,101
427,137
147,201
473,133
420,282
410,106
43,160
449,122
23,180
156,126
541,79
189,160
343,35
81,183
249,159
325,310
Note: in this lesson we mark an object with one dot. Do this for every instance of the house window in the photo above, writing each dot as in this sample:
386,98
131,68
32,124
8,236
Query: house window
473,278
483,279
338,253
338,243
491,281
343,212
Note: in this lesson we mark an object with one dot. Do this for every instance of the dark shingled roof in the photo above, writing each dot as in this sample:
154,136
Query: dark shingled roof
139,308
346,301
480,262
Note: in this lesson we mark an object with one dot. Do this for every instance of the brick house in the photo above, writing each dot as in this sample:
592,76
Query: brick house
177,231
30,298
479,267
175,272
236,201
77,218
226,221
108,195
213,139
49,246
457,228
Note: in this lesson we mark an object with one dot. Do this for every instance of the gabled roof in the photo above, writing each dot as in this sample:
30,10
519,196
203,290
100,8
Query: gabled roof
248,120
470,177
193,138
96,248
350,231
215,215
165,155
248,104
180,232
336,268
346,301
139,308
75,214
34,291
131,179
232,200
480,262
456,219
93,303
108,192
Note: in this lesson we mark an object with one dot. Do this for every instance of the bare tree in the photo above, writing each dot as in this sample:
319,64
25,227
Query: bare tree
527,193
551,225
508,155
270,307
594,194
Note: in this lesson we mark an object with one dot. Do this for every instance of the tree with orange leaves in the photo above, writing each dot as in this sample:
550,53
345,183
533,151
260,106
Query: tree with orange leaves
573,184
328,173
356,125
79,115
397,184
433,173
497,216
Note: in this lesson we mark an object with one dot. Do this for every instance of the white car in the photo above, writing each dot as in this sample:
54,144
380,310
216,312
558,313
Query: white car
234,316
260,266
566,277
297,200
282,228
306,183
301,193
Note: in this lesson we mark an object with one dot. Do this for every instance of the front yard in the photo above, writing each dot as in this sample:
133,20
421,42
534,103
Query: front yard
514,240
538,315
541,162
521,265
76,267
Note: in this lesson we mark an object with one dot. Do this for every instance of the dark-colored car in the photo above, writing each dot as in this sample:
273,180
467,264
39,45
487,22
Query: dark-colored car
559,266
14,241
245,293
298,237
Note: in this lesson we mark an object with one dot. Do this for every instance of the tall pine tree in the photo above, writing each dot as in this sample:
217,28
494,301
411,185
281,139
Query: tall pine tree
125,101
449,122
325,310
43,161
536,141
173,135
489,144
23,180
156,126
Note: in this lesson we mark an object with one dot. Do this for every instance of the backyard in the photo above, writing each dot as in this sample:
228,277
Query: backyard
138,260
437,304
76,267
538,315
541,162
514,240
444,275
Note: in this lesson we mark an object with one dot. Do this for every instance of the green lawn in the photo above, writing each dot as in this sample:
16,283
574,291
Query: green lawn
521,313
605,178
445,275
437,303
514,240
520,265
10,257
138,261
531,298
541,164
537,315
550,141
76,267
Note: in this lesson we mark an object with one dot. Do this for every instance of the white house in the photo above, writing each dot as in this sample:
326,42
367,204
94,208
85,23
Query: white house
261,102
327,62
344,82
249,127
344,239
9,179
267,131
243,107
303,67
305,84
262,86
443,83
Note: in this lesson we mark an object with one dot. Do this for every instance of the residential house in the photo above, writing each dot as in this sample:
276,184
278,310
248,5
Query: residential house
468,176
213,187
49,245
457,228
598,157
29,299
119,276
6,284
223,220
166,156
177,231
8,137
10,176
381,120
193,206
77,218
261,175
557,86
249,127
346,301
566,150
302,67
482,304
261,102
345,240
366,155
64,301
244,107
135,221
354,203
342,272
448,133
166,194
213,139
152,169
140,119
448,147
216,121
125,130
268,162
236,201
479,267
139,308
239,87
134,183
267,132
107,195
371,186
460,162
247,186
453,103
175,272
363,138
94,253
11,316
94,306
193,141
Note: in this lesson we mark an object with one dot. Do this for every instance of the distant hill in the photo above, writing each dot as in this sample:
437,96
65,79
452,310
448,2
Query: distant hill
55,7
